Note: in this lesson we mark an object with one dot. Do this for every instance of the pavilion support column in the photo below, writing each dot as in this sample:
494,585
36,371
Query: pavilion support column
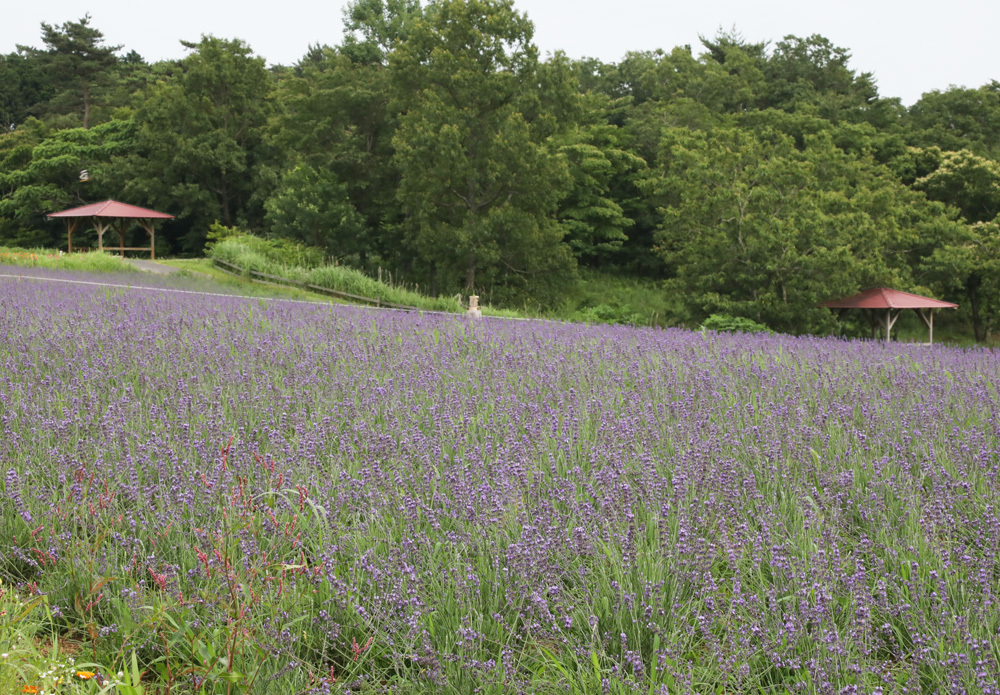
71,224
929,322
148,226
100,227
890,321
121,238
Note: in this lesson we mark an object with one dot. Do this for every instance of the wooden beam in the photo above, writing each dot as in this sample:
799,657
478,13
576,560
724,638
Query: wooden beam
71,224
100,226
121,237
890,321
148,226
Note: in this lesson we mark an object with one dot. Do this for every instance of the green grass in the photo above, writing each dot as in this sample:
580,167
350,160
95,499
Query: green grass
250,254
94,261
239,251
33,655
206,269
604,297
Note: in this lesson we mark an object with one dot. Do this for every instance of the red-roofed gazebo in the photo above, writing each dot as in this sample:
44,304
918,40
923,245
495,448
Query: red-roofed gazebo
874,301
104,216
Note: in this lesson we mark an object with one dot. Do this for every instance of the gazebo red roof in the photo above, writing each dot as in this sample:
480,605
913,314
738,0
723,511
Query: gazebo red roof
885,298
112,208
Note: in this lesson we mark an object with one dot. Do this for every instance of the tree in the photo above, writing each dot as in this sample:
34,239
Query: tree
40,174
965,265
372,28
578,127
313,207
602,173
754,227
23,87
199,142
478,186
77,61
336,119
813,75
958,119
965,181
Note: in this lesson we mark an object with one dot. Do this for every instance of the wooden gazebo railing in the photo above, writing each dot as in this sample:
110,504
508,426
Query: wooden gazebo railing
113,215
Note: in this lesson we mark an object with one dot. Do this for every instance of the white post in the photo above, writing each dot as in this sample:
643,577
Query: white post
474,311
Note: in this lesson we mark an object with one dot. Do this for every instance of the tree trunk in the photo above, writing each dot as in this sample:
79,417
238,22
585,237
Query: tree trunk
224,204
972,292
470,274
977,321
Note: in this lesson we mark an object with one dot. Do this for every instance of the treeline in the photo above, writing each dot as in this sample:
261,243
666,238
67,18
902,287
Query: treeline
754,180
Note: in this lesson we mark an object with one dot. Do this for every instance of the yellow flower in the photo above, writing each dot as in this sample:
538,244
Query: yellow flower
85,675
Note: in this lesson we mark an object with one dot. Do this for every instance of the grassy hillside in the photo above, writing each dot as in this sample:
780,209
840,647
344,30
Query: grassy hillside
295,263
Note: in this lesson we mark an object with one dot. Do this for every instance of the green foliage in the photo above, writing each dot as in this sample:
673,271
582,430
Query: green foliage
965,266
965,181
958,119
336,120
478,188
615,297
812,74
313,207
603,175
287,259
602,313
42,175
733,324
754,227
282,252
78,62
217,232
199,138
373,27
23,87
93,262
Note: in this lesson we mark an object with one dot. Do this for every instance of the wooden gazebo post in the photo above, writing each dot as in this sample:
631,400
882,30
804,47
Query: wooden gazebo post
100,226
71,224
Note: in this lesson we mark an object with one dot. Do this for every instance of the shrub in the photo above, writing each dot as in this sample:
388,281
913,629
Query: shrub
603,313
733,324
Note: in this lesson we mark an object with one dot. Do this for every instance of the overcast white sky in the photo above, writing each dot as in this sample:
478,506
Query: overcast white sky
911,47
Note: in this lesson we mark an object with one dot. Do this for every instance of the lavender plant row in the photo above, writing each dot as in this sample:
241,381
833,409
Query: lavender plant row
337,497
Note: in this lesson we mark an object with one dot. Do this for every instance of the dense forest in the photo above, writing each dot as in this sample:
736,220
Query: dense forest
747,179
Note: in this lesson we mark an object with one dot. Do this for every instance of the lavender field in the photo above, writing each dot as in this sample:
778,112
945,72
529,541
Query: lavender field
268,497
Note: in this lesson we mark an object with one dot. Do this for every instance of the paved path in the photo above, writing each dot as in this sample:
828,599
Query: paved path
152,266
